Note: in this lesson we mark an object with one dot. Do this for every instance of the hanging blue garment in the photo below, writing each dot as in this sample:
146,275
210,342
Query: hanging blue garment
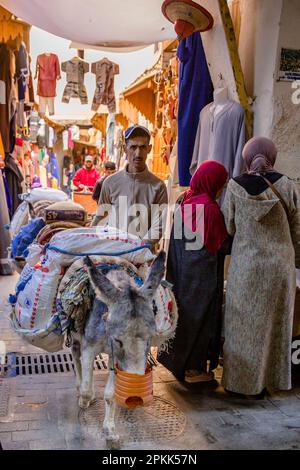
195,92
53,167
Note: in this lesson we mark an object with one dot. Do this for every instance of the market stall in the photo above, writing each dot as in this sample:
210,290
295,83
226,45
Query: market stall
16,98
153,98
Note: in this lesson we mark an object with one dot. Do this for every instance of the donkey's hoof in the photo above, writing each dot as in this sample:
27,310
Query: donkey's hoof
85,401
113,443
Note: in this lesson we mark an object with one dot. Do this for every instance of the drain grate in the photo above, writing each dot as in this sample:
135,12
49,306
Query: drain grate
17,364
4,399
159,421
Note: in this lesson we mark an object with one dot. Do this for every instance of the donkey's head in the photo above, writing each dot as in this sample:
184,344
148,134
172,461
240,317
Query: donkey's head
130,320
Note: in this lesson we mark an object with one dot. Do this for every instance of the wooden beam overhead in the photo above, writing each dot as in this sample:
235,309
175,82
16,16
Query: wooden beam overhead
236,65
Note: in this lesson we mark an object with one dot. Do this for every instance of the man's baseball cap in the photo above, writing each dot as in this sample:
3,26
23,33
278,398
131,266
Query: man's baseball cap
131,130
89,158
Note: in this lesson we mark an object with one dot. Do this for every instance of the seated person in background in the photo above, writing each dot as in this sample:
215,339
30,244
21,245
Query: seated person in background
87,176
109,169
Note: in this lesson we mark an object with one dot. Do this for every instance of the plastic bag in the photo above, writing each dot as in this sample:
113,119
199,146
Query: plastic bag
36,303
49,194
20,218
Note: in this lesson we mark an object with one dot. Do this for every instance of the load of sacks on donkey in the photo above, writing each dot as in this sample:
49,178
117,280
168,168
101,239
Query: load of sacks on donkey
54,286
42,214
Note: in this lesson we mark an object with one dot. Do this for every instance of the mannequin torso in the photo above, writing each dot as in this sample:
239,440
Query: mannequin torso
220,100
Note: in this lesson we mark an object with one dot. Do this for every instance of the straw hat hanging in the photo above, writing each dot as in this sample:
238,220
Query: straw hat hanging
188,17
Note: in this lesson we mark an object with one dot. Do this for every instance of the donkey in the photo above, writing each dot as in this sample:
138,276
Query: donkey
124,332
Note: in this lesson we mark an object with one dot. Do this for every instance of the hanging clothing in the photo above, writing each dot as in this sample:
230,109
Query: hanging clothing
45,103
28,169
14,180
43,176
105,72
102,155
195,91
5,267
22,70
41,135
70,139
65,139
2,153
75,88
98,139
75,130
21,116
30,84
34,159
47,73
221,137
7,194
7,106
119,145
41,155
50,136
261,284
33,125
110,133
53,167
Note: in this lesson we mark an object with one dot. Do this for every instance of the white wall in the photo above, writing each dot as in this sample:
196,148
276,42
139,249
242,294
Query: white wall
267,26
268,13
286,117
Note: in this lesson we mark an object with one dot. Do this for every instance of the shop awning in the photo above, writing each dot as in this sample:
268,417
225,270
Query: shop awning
110,24
99,121
141,95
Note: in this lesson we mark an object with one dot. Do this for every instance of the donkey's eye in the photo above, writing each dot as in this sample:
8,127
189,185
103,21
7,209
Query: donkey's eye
119,342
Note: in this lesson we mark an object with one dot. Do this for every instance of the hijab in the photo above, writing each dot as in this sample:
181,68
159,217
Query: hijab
207,181
260,155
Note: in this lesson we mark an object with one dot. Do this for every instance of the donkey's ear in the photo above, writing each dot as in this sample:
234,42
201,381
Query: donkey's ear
103,287
155,276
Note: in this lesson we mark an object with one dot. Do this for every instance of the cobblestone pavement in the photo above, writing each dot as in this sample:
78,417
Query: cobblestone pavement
40,411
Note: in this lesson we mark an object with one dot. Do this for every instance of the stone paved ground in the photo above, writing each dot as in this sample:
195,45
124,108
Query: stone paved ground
42,411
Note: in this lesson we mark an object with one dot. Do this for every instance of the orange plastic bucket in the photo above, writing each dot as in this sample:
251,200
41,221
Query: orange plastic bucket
132,390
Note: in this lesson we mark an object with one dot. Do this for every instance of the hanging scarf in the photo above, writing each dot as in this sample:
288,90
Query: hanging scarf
208,180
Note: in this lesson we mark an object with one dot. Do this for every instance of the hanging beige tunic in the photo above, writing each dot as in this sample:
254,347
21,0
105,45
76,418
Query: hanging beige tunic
261,288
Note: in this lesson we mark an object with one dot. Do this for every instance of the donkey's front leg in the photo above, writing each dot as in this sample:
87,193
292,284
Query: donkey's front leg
76,353
112,439
87,388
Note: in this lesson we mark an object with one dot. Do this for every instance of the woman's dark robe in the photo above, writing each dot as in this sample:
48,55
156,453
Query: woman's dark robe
197,277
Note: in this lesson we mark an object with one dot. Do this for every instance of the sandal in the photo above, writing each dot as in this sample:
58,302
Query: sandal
195,376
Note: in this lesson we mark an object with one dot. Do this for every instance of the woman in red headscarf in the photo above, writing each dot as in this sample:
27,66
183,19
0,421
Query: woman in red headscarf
199,242
262,212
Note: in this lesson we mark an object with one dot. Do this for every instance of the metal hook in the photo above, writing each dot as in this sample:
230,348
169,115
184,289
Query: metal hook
221,80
